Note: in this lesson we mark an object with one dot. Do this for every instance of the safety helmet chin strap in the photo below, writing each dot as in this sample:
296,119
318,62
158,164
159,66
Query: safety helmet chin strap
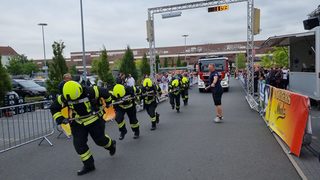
68,97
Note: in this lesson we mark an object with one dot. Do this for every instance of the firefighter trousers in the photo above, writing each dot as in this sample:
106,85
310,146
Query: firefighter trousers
185,96
132,114
80,134
175,100
151,110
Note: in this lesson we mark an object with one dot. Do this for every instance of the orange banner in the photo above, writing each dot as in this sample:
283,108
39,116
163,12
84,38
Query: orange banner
287,114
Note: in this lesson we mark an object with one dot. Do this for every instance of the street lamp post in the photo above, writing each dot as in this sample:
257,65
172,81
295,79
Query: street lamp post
185,47
83,46
44,48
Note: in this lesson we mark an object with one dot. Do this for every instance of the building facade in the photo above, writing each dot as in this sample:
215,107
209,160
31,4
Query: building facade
6,53
192,53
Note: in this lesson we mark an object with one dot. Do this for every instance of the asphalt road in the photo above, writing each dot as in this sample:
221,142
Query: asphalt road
185,146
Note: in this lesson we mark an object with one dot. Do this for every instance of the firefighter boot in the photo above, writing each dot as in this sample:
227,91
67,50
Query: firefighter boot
112,148
153,126
88,166
157,118
86,170
185,102
136,134
123,134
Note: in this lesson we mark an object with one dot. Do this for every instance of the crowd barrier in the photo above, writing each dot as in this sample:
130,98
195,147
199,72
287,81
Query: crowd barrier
243,81
287,114
25,123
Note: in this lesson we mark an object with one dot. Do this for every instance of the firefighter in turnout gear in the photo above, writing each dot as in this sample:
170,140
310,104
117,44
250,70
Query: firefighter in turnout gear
174,94
184,90
149,95
85,111
124,102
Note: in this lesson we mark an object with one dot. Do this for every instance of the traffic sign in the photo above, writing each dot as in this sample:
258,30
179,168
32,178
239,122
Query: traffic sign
218,8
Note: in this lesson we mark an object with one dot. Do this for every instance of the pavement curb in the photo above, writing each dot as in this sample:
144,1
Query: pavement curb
294,162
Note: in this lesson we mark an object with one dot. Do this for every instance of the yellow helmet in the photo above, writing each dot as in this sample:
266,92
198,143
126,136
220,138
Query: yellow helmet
119,90
175,83
72,90
147,82
185,80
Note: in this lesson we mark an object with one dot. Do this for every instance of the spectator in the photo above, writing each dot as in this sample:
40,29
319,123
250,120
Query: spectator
130,81
169,77
278,78
256,78
119,79
66,77
272,77
285,78
164,82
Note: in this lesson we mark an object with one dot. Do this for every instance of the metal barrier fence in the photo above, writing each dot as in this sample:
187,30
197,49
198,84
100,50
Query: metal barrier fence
25,123
253,101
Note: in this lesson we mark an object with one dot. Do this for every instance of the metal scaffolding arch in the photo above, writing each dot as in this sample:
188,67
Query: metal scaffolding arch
203,4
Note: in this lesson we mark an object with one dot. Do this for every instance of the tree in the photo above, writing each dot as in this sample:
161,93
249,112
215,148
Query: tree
165,64
73,70
95,65
241,61
30,67
184,64
157,63
127,64
5,83
278,57
179,62
266,60
57,68
14,66
172,62
104,72
117,64
145,66
20,65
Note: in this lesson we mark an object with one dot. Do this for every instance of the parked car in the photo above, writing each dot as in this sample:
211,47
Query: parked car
28,88
41,82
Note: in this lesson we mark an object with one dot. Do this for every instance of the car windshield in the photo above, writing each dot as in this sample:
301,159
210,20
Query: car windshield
41,83
28,84
219,63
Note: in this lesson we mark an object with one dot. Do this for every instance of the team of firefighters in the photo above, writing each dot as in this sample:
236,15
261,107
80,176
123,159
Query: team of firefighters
86,108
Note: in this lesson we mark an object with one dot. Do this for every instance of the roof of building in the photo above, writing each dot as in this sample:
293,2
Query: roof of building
7,51
197,48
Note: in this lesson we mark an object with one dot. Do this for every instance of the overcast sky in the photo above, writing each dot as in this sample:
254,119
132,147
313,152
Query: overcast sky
118,23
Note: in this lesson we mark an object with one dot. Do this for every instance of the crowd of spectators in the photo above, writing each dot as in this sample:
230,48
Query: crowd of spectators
276,77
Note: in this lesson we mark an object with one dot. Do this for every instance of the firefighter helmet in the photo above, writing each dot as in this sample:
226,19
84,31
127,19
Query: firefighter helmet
185,80
119,90
147,82
175,83
72,90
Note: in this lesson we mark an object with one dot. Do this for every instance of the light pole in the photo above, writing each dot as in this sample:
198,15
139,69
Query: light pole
185,47
83,46
44,49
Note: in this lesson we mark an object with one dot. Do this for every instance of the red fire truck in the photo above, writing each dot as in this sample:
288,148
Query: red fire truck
222,66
